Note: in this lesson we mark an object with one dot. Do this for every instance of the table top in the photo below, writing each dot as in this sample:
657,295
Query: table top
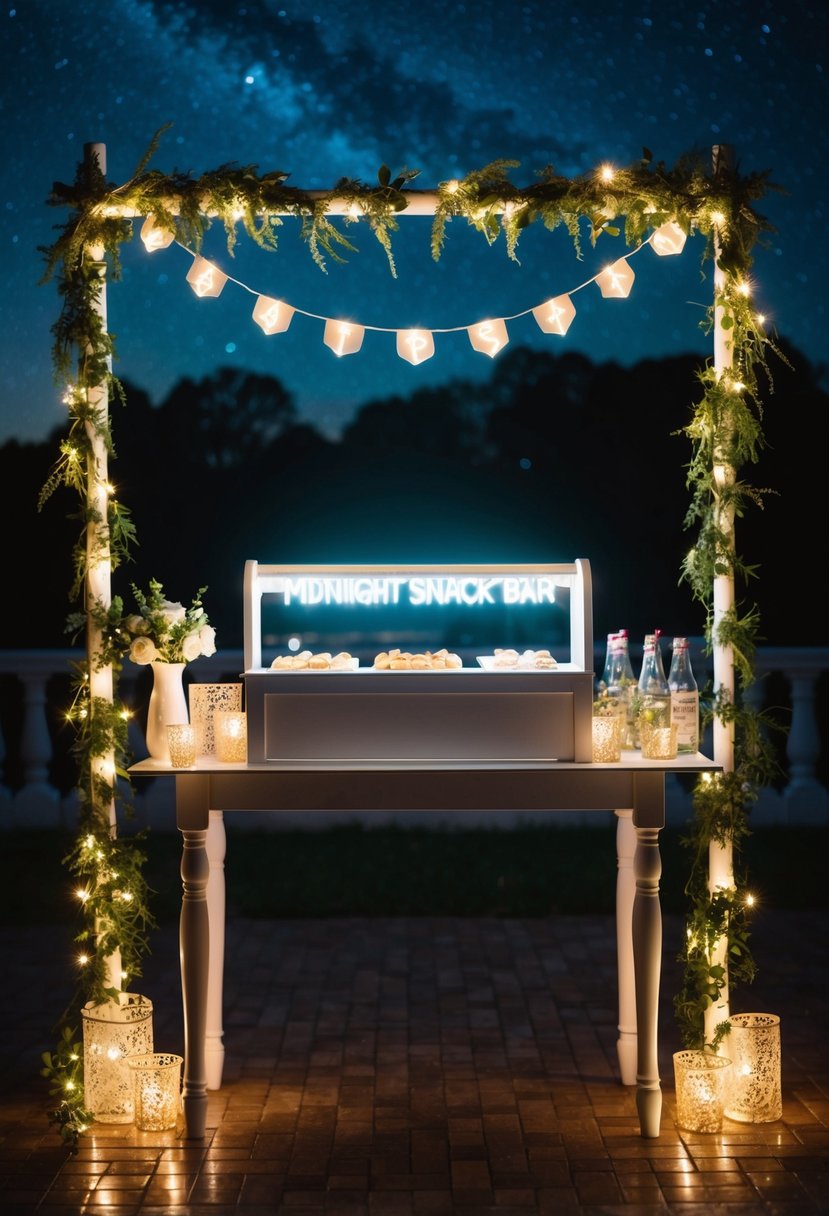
630,762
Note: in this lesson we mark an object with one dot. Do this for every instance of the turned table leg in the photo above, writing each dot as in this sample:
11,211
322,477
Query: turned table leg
647,961
214,1045
626,1043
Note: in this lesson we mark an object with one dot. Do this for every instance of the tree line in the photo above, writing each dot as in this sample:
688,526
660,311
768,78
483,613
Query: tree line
553,457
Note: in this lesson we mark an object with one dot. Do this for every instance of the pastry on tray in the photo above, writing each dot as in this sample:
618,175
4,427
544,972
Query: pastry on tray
511,659
306,660
403,660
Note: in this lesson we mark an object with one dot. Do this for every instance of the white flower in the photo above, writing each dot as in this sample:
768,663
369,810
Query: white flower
207,639
173,613
190,647
137,624
143,650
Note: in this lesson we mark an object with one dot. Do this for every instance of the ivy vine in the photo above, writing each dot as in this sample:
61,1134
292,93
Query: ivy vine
726,423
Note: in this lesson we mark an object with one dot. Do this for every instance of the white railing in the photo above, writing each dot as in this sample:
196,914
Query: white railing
37,772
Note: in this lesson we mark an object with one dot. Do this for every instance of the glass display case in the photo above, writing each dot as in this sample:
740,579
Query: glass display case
407,663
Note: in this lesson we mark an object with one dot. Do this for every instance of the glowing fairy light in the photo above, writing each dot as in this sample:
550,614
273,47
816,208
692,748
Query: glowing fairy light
607,173
83,894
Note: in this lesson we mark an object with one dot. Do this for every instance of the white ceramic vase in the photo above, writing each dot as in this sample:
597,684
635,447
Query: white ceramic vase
168,706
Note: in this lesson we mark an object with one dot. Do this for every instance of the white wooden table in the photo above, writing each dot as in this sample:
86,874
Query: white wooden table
634,789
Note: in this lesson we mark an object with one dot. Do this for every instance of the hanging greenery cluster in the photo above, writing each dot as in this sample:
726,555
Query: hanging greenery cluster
605,204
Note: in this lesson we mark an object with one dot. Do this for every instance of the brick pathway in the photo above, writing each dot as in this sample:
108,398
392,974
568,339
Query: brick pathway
423,1066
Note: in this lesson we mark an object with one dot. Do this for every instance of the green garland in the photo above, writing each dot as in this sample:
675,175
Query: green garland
625,203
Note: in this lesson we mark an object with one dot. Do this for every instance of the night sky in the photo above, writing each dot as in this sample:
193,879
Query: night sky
323,90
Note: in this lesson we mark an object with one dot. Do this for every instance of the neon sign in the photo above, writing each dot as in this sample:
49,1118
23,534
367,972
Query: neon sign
419,590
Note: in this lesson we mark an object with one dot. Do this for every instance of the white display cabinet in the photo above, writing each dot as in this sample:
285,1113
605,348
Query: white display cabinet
477,712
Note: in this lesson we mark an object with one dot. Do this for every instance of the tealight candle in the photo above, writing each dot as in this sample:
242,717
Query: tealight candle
231,733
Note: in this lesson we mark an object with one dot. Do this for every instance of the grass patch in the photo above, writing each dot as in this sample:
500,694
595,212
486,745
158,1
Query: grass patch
393,871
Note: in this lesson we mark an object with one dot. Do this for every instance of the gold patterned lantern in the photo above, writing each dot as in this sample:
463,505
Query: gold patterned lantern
157,1090
700,1078
231,736
754,1094
112,1032
205,699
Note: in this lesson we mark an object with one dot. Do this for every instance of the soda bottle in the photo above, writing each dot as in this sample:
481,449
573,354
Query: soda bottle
622,684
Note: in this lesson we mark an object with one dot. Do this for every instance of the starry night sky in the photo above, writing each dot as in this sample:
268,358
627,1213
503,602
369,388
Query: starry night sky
323,90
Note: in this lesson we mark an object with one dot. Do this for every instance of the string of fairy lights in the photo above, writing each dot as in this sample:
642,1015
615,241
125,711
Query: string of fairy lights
416,345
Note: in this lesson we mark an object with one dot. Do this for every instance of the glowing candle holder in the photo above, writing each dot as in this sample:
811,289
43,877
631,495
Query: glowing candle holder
701,1080
607,738
112,1032
754,1094
205,699
231,732
658,742
156,1090
181,739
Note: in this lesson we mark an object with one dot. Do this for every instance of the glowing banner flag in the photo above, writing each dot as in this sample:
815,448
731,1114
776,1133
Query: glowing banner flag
668,239
205,278
415,345
343,337
555,316
272,316
154,236
616,281
488,337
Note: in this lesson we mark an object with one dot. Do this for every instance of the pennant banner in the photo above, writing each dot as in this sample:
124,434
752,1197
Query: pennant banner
488,337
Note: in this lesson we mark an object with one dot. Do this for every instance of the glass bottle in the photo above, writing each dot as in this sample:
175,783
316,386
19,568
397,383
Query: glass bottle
602,686
653,694
622,684
684,698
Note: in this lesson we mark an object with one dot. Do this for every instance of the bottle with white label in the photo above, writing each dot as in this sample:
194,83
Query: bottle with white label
684,698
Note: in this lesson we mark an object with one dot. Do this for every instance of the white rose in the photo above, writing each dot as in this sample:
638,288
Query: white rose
207,639
143,650
190,647
173,613
137,624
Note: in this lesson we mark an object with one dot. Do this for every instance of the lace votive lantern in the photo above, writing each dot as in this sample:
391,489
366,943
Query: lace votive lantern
700,1078
231,732
607,738
112,1032
156,1090
205,699
181,738
754,1093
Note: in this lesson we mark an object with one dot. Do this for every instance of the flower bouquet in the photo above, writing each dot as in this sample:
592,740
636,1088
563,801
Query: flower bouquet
164,631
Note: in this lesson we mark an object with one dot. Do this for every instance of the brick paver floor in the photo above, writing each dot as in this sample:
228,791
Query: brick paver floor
423,1066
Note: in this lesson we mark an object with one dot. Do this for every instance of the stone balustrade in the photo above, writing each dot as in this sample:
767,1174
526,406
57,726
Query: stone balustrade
37,774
